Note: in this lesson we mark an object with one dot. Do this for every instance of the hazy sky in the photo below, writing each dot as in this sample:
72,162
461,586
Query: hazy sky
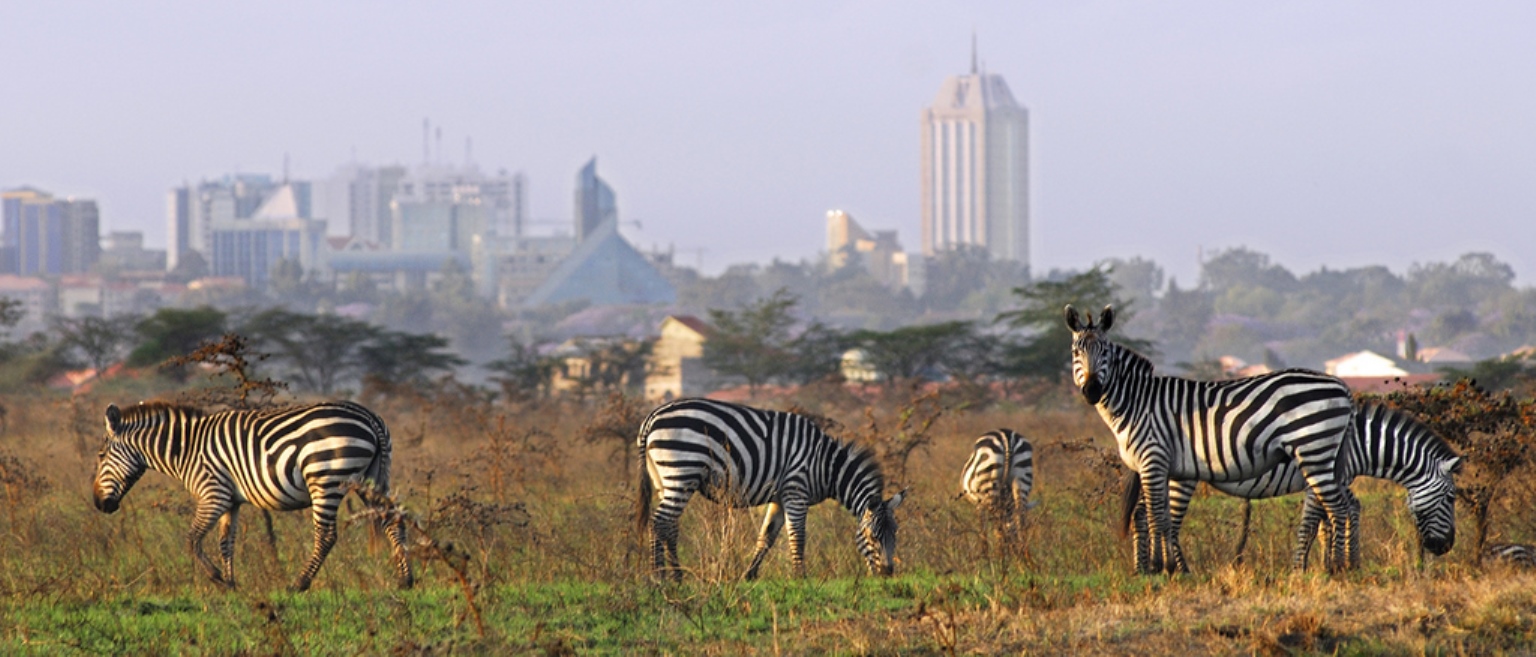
1320,133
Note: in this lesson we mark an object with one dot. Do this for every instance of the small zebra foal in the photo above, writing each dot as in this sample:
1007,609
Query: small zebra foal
1000,472
285,459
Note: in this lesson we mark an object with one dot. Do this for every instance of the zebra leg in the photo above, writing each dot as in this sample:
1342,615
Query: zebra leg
772,523
1312,516
324,505
209,511
664,532
794,510
1154,486
1142,539
228,526
1179,495
400,554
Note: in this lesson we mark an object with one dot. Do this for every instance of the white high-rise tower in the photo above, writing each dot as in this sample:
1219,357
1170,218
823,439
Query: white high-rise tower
975,168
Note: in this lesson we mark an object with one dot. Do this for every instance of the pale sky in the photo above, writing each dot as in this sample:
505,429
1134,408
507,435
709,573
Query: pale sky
1337,133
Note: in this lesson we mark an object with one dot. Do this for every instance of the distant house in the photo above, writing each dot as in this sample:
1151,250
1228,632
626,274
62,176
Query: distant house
856,366
1364,364
677,360
1443,356
1368,371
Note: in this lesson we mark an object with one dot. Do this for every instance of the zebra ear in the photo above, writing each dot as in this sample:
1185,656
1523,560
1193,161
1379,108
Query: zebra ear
1073,322
1107,318
1451,467
114,419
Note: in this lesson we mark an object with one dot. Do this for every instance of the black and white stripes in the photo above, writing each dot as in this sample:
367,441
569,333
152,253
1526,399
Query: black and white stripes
1385,444
1000,472
746,457
1180,429
287,459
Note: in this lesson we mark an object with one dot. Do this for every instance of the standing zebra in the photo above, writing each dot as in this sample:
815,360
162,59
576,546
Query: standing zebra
284,459
746,457
1000,472
1173,428
1385,444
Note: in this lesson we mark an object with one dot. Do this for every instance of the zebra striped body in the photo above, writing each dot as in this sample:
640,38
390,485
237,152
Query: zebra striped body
1384,444
1000,472
747,457
282,460
1514,554
1170,428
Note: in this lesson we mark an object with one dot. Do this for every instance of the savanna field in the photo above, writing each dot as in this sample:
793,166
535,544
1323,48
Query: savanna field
526,542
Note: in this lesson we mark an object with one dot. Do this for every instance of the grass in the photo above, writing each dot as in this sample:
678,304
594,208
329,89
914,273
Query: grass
556,566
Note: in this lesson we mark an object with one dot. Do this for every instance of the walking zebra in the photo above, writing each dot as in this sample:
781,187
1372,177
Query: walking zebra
285,459
1385,444
1173,428
746,457
1000,472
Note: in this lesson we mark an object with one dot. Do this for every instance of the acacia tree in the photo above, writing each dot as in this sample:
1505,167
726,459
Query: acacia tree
523,373
753,342
913,351
320,352
1048,349
98,341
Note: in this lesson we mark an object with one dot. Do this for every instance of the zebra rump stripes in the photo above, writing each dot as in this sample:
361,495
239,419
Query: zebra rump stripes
1180,429
746,457
1000,472
285,459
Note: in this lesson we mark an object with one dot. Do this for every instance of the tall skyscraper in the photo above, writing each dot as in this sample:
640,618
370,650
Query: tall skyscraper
191,210
975,168
595,203
48,236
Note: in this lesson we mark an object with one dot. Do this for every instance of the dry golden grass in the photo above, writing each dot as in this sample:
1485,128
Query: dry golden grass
539,499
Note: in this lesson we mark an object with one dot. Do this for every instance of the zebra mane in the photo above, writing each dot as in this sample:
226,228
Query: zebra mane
1437,444
154,412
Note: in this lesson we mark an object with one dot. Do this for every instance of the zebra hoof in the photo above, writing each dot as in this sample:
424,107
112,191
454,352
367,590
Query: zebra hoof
299,586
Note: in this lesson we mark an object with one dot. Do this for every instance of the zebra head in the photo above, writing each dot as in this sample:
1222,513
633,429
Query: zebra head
877,535
1433,503
118,466
1090,352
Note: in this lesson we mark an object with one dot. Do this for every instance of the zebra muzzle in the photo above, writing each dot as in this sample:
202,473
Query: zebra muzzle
106,504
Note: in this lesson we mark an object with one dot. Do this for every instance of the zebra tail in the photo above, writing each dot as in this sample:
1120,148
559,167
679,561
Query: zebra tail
1130,498
643,500
378,476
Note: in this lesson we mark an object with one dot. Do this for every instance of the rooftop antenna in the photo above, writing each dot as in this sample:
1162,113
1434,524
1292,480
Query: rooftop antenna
973,52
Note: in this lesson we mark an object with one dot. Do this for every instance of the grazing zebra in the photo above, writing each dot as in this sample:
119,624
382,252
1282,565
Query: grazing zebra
1173,428
284,459
1514,554
746,457
1000,472
1385,444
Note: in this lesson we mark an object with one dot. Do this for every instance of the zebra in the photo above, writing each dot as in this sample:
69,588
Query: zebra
278,459
746,457
1174,428
1519,555
1000,472
1386,444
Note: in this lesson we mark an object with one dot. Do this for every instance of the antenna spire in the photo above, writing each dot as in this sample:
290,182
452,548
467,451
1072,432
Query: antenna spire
973,52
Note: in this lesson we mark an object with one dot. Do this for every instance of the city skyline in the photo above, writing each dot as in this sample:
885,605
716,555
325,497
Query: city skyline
1402,133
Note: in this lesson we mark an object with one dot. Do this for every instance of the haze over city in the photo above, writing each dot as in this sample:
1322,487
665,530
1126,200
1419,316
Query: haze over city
1369,133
